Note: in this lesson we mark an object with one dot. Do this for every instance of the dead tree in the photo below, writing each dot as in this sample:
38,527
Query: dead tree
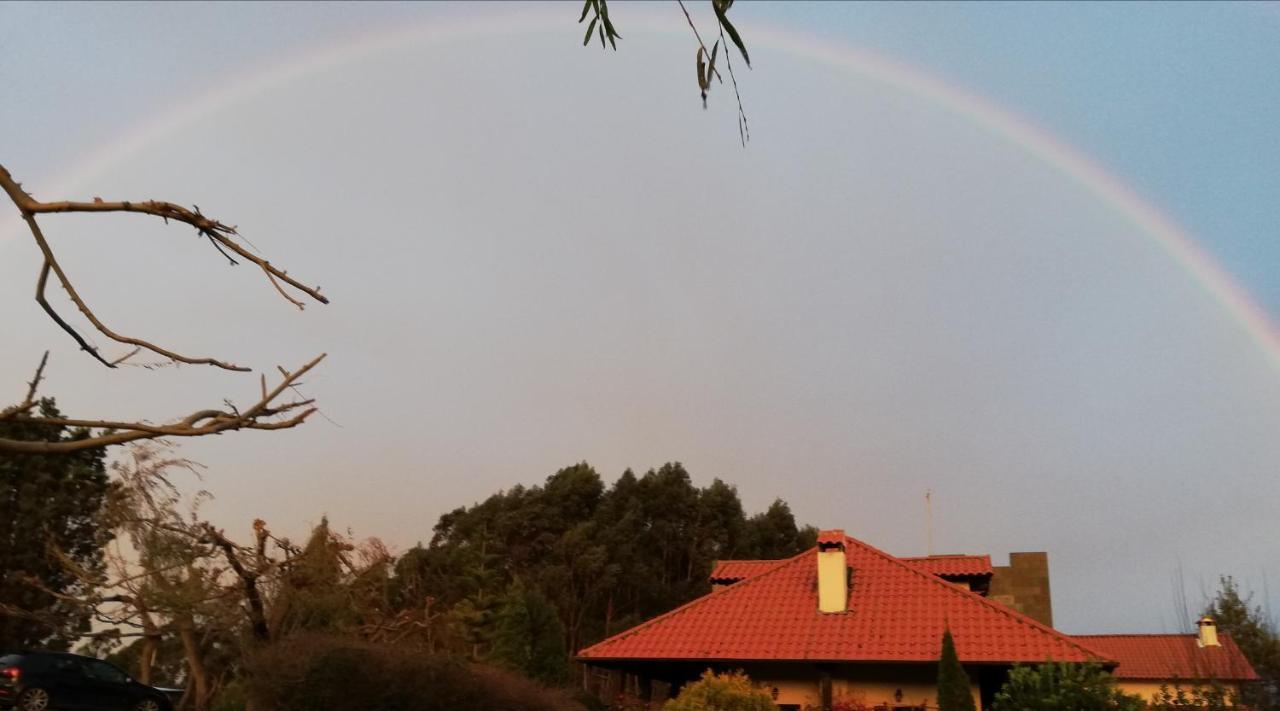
267,413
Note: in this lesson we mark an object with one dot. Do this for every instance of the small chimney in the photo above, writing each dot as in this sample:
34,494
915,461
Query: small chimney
1208,632
833,572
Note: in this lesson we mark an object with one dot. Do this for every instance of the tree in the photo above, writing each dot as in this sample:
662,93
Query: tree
48,504
730,691
1256,636
528,636
954,693
773,534
1057,686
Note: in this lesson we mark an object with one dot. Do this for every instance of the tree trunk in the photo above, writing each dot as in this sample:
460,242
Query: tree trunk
150,644
195,663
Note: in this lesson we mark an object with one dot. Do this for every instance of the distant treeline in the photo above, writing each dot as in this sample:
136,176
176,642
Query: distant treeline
602,557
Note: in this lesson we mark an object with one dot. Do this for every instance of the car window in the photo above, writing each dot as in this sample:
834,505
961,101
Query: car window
10,659
104,672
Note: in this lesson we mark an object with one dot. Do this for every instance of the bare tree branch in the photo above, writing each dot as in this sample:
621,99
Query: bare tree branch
205,422
222,237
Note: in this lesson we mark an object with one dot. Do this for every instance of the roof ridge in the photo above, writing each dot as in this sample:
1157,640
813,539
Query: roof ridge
741,584
1141,634
1009,612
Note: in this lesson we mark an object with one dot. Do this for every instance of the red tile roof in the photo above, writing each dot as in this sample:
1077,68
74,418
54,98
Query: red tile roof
896,613
1171,656
953,565
730,571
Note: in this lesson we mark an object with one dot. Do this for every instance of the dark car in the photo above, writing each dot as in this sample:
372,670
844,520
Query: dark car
40,681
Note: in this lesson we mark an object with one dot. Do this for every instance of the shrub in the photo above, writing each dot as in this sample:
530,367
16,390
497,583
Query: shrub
954,693
312,672
1214,697
1063,687
731,691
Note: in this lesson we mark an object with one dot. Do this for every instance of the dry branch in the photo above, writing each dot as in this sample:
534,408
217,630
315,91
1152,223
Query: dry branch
259,416
220,235
265,414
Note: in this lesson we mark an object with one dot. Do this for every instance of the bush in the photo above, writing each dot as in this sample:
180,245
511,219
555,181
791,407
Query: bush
731,691
312,672
1063,687
1214,697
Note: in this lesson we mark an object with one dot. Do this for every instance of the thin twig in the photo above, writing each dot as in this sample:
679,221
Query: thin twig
744,132
35,382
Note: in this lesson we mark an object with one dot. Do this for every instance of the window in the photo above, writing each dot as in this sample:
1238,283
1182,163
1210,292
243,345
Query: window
102,671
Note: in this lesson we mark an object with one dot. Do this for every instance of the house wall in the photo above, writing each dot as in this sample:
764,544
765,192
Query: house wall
870,684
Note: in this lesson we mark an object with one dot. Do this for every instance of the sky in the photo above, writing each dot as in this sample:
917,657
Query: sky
540,253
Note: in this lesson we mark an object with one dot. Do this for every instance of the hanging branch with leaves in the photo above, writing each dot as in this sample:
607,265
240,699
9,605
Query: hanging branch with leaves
705,59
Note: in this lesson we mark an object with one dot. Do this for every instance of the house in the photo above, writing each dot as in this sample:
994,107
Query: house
842,620
1146,662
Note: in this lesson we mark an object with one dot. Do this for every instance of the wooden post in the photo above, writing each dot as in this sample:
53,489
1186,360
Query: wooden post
824,691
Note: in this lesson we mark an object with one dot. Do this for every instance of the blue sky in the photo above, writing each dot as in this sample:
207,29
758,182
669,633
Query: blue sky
540,253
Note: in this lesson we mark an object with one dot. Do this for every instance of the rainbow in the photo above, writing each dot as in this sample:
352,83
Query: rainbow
1176,242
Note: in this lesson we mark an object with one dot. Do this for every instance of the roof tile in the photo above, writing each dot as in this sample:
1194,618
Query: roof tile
1172,656
897,612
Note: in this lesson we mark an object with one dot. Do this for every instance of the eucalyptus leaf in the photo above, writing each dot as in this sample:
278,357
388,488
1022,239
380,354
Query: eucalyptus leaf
590,28
733,33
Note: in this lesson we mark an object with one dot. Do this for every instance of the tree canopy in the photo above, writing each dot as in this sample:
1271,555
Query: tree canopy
1256,635
605,558
48,503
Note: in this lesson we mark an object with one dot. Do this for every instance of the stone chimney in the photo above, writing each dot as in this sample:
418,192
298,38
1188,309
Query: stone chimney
1208,632
833,572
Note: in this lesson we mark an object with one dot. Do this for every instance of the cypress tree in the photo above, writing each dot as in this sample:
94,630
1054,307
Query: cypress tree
953,683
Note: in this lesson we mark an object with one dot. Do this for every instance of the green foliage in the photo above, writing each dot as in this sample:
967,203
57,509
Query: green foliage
730,691
774,534
1063,687
312,672
529,638
1256,636
722,16
600,23
47,502
605,558
954,693
1214,697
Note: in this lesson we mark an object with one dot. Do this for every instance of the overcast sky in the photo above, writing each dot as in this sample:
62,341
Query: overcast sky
540,253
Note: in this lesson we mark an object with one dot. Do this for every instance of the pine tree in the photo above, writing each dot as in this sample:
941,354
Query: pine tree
953,683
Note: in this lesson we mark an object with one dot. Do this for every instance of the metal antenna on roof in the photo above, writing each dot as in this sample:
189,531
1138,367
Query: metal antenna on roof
928,515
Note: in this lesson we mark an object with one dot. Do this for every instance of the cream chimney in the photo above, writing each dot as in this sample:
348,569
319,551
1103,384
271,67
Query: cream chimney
833,572
1208,632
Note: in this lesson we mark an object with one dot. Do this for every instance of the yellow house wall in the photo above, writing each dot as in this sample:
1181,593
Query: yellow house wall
870,684
1149,689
